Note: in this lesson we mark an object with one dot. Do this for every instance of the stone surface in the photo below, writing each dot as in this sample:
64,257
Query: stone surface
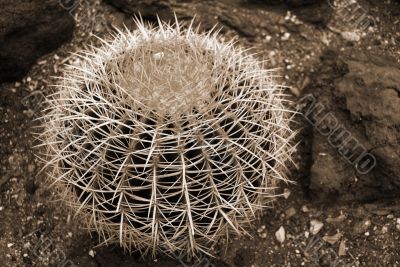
303,2
361,100
293,2
148,9
28,30
313,11
206,14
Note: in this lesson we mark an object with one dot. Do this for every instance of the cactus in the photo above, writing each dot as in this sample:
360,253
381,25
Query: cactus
164,139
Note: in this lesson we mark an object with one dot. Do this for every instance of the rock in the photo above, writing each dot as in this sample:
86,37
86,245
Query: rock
31,168
332,239
292,2
187,10
269,2
315,226
313,11
355,118
211,12
303,2
92,253
378,210
306,234
351,36
286,193
290,212
28,30
231,14
342,249
261,231
280,235
305,209
148,9
338,219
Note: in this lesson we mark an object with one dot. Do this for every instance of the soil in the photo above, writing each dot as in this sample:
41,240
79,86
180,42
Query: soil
36,231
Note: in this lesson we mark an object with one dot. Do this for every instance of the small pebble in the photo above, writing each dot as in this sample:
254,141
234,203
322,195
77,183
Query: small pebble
337,219
294,91
92,253
306,234
342,248
285,36
263,235
305,208
9,245
286,193
31,168
290,212
351,36
332,239
280,235
315,226
261,229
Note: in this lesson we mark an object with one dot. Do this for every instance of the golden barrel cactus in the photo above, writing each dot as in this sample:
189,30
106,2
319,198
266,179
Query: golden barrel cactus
165,139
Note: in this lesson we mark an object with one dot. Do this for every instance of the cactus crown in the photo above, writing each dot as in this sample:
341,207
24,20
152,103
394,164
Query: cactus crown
166,139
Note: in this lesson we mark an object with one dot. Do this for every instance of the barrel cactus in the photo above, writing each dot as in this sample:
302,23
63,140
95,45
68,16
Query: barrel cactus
164,139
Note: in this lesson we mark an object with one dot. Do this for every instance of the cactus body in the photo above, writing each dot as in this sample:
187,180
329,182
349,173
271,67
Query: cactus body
166,139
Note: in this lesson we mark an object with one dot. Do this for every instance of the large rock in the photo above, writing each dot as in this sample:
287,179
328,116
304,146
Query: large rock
28,30
206,13
292,2
354,107
311,11
148,9
239,15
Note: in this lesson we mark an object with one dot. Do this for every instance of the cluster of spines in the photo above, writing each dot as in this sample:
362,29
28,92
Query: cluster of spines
158,179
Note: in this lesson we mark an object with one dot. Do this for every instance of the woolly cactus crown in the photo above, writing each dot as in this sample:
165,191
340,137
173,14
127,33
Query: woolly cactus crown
166,139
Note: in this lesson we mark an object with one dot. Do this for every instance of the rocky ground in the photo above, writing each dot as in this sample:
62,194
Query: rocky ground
333,216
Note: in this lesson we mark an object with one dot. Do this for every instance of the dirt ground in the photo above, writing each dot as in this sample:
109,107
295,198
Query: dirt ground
36,231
